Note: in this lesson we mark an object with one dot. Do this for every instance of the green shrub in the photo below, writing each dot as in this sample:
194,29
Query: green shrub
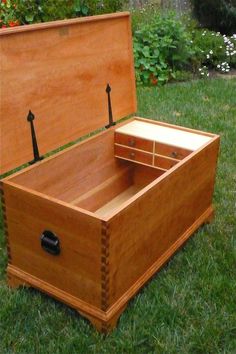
33,11
160,49
145,15
15,12
218,15
104,6
211,50
208,47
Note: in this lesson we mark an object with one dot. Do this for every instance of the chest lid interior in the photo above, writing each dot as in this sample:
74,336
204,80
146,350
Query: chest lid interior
60,71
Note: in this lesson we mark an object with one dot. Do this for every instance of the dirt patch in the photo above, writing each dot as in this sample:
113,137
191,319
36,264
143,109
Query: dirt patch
229,76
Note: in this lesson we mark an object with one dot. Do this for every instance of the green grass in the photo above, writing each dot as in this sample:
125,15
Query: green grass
190,305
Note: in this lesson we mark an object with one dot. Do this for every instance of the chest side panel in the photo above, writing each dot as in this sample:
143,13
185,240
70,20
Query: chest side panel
76,270
147,232
60,71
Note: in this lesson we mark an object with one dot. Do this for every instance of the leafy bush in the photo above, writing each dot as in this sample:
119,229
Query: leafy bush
33,11
218,15
16,12
145,15
160,49
213,51
104,6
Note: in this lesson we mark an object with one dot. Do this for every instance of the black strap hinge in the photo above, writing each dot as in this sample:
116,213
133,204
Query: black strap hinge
37,157
111,121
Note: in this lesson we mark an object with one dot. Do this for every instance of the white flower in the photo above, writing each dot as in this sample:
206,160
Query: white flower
218,66
208,74
208,56
211,52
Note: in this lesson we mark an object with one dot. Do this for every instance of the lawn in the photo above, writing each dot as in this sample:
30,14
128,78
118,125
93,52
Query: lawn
190,305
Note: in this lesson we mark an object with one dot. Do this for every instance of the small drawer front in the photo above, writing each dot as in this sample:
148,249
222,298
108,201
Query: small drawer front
165,163
171,151
133,142
134,155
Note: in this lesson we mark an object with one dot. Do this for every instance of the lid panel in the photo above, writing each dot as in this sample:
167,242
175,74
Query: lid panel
60,73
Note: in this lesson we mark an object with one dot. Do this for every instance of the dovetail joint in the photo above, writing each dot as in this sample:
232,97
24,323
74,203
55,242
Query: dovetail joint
105,281
5,226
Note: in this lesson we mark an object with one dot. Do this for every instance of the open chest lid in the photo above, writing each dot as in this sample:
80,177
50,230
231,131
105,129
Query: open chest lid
60,71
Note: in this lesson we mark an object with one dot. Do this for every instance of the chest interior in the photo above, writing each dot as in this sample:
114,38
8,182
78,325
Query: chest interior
102,174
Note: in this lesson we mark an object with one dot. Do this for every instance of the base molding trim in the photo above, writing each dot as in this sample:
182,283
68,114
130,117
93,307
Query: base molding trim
104,321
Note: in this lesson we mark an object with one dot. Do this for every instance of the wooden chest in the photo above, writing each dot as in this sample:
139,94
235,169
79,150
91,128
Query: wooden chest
91,224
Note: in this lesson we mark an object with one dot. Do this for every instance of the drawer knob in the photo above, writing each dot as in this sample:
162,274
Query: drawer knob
131,142
174,154
132,155
50,242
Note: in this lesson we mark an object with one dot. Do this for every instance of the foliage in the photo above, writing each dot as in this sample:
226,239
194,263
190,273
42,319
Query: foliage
144,15
16,12
8,16
104,6
161,48
31,11
218,15
170,48
213,51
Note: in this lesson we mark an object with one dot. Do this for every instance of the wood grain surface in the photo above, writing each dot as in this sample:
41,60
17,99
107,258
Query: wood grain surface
60,72
77,270
143,231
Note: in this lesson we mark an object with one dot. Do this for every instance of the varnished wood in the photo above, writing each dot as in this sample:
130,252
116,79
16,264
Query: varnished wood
15,282
134,142
111,207
208,215
5,224
105,274
177,200
57,293
105,327
122,202
133,155
60,23
69,175
171,151
28,216
164,134
178,127
121,178
60,72
164,162
142,176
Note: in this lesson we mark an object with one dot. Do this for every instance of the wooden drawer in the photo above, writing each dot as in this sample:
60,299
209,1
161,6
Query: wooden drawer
164,162
134,142
132,154
171,151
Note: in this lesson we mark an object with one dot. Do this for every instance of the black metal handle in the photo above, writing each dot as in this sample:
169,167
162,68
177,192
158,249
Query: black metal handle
50,243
